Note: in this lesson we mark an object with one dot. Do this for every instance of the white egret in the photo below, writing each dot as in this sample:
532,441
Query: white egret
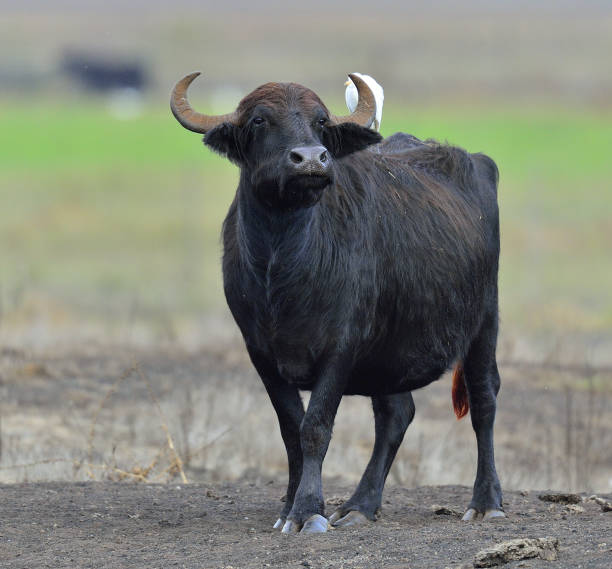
351,97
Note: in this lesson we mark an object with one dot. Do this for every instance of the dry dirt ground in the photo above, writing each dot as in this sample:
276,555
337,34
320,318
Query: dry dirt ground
105,524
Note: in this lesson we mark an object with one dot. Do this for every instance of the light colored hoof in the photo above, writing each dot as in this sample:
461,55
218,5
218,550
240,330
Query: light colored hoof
353,518
334,518
472,514
315,524
279,523
290,527
492,514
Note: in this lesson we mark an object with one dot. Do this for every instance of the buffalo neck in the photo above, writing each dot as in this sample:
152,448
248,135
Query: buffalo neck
263,229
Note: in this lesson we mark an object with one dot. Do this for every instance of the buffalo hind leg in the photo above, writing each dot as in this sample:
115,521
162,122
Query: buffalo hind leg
482,382
289,409
392,415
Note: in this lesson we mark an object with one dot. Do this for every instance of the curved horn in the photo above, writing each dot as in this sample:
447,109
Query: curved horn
190,119
365,113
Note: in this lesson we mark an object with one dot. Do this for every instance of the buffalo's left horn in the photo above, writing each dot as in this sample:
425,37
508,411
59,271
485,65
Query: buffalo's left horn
365,112
190,119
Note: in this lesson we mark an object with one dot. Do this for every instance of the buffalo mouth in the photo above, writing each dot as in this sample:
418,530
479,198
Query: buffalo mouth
304,190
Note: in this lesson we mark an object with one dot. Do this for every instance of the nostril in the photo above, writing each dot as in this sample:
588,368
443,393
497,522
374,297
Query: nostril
323,157
295,157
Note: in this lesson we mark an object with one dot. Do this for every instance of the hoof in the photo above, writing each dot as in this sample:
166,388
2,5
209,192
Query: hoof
290,527
353,518
472,514
315,524
491,514
279,523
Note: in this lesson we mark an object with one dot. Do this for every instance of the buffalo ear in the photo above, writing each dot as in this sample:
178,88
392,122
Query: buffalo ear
223,139
346,138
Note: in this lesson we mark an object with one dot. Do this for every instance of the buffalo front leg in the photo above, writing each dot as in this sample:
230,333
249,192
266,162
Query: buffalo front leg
289,409
392,415
315,433
482,381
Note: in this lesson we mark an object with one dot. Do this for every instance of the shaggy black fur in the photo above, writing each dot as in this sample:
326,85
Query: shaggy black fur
373,279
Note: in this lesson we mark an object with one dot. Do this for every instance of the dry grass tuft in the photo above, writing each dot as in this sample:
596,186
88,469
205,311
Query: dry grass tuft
165,464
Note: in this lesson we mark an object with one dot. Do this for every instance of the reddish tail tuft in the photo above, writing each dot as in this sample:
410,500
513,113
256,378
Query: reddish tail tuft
461,404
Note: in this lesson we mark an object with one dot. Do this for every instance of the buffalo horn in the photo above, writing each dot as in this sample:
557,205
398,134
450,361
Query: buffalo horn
190,119
365,113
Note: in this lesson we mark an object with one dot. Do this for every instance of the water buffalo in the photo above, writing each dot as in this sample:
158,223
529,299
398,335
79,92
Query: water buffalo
98,74
356,265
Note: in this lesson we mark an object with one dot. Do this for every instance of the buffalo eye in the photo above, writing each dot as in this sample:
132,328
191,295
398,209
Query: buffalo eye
322,121
258,121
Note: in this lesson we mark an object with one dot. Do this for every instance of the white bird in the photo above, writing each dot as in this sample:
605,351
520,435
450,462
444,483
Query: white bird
351,97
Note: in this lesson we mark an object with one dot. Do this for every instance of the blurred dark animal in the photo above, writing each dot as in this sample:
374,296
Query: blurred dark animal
356,265
98,74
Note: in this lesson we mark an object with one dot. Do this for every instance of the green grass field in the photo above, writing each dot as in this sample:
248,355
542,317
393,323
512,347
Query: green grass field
97,213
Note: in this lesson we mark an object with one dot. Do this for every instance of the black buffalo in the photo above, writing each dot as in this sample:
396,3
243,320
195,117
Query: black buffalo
356,265
98,74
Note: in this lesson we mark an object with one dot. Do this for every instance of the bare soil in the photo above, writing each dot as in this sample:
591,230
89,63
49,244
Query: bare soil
105,524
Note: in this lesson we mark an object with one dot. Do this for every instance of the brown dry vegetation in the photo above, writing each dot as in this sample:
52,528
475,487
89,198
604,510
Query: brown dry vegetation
113,413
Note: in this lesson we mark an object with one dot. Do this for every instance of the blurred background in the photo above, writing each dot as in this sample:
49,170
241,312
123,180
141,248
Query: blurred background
110,215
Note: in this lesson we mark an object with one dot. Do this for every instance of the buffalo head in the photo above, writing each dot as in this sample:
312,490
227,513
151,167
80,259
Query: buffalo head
283,138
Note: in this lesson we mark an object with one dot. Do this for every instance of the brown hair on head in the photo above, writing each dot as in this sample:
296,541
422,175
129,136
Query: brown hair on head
280,96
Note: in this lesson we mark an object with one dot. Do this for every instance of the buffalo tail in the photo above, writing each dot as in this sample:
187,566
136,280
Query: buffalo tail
461,404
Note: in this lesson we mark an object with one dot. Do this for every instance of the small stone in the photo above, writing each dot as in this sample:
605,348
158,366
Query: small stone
336,500
165,523
211,494
444,511
605,505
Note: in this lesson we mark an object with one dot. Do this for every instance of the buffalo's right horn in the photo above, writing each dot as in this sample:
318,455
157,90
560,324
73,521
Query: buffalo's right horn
365,112
190,119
